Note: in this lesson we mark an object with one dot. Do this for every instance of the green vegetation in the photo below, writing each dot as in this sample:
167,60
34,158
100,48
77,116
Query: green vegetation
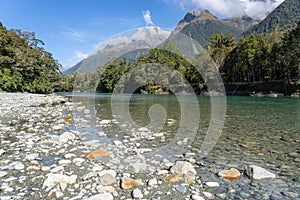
285,16
24,65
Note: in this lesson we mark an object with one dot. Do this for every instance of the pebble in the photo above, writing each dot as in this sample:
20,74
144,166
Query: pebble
152,182
103,196
197,197
32,156
2,152
127,183
208,195
212,184
19,166
3,173
137,193
181,188
231,173
258,173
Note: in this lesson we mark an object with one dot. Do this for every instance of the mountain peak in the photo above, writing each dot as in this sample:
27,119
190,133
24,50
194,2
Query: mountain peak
205,14
194,15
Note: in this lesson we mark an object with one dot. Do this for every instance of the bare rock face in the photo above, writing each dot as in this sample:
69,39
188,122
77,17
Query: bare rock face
258,173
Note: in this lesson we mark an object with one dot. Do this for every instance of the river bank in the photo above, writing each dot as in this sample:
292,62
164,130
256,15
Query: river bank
47,153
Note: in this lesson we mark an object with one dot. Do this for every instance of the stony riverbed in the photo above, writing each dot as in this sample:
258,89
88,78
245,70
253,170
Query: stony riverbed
45,154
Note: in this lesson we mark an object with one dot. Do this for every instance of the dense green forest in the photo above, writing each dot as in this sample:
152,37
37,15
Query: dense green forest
24,65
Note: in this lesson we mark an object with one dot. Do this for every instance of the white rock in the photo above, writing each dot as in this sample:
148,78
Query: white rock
197,197
3,173
69,155
54,179
103,189
118,143
19,166
212,184
137,193
66,136
64,162
103,196
152,182
258,173
57,169
208,195
2,151
58,127
32,156
111,172
78,160
183,167
45,168
97,168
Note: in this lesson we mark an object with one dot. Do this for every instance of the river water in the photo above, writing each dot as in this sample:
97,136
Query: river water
264,131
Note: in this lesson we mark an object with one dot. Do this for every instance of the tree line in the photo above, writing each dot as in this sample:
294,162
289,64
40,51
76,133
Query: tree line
27,67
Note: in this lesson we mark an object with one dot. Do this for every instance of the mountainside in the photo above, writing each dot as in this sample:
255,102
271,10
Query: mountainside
285,16
200,26
141,39
244,22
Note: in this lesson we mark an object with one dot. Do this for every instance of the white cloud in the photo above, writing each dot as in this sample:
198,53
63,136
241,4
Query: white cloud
147,18
80,55
74,34
233,8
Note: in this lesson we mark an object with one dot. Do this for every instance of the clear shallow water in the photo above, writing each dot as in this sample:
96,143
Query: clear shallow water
258,130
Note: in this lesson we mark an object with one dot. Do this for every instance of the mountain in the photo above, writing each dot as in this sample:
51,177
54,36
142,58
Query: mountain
245,22
136,41
285,16
200,26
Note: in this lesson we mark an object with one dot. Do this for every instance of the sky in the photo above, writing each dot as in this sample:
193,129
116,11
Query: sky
71,29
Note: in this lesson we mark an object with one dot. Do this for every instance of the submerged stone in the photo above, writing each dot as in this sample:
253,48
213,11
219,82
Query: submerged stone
97,153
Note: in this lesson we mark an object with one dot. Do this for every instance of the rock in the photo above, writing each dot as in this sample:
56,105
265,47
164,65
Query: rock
290,194
107,177
197,197
69,155
54,179
221,195
231,174
138,167
181,188
19,166
103,189
97,153
64,162
173,178
212,184
258,173
2,151
127,183
103,196
3,173
208,195
66,136
33,168
137,193
32,156
58,127
183,167
89,175
152,182
78,160
292,154
45,168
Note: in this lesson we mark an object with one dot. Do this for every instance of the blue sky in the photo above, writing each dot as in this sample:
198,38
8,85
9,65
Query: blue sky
71,28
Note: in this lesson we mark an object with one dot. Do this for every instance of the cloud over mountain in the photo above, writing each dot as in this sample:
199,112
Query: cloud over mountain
233,8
